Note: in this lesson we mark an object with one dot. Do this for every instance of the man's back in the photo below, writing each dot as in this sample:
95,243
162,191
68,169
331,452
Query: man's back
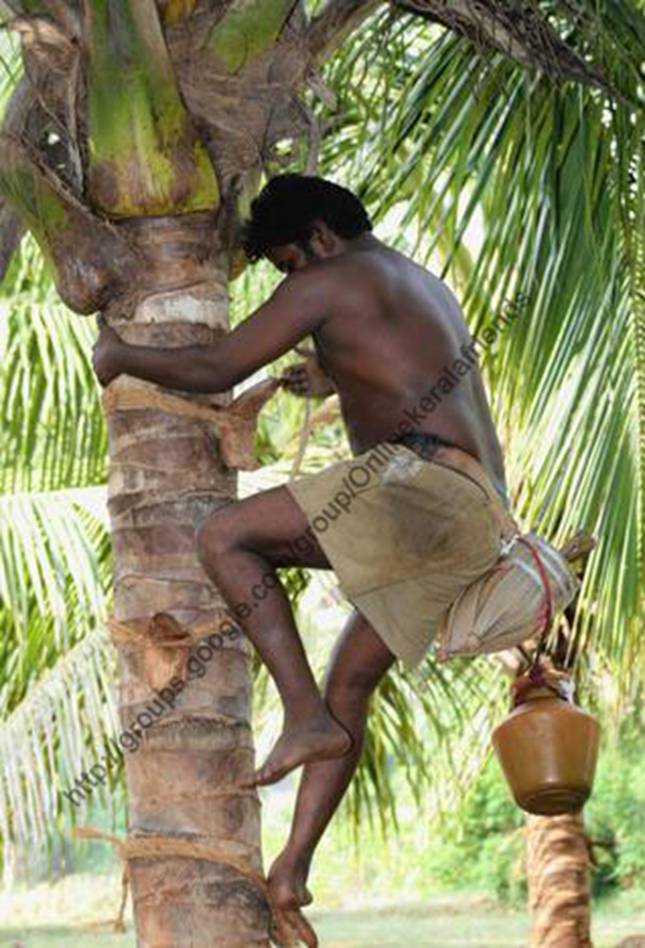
399,352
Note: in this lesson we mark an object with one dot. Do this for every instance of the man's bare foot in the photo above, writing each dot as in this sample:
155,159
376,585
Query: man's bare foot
319,739
287,882
290,928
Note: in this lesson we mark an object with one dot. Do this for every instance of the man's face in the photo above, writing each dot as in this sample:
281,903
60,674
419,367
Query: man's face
290,257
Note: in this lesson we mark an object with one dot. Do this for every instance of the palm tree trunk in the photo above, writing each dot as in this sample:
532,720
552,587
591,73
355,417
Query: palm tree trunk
184,712
558,881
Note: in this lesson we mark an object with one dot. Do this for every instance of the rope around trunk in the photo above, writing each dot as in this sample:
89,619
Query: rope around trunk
160,847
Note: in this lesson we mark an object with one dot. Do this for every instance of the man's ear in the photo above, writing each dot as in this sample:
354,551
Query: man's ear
322,237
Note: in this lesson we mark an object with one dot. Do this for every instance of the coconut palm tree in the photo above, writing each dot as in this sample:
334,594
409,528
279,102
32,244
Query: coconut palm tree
132,144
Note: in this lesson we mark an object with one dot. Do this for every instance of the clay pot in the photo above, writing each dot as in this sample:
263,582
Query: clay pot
548,749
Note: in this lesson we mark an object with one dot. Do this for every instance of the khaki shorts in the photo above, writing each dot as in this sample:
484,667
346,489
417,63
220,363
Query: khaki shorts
405,535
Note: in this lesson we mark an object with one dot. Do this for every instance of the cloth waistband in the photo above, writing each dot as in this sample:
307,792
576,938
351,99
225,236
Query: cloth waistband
449,455
410,438
459,460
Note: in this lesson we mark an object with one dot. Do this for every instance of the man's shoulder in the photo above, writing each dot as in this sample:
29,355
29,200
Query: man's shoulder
332,276
354,272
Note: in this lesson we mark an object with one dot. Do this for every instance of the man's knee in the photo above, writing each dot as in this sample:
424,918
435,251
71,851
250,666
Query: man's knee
217,536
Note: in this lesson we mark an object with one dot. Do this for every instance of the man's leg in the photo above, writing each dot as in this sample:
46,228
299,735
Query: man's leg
240,547
360,661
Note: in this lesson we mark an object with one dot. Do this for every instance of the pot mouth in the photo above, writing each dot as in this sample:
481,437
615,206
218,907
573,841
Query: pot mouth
540,692
555,801
539,682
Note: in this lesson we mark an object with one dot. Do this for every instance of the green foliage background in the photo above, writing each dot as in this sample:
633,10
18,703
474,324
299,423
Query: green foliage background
436,136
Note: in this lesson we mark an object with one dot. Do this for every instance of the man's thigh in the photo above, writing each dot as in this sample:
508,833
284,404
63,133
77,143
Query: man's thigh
271,524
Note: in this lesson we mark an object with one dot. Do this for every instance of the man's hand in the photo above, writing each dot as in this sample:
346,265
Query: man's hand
107,352
307,379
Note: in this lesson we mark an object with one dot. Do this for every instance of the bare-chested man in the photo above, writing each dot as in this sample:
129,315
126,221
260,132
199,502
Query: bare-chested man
408,531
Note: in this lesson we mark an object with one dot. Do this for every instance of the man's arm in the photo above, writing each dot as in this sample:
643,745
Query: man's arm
297,308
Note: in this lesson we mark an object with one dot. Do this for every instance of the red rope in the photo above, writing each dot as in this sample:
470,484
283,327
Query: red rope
536,675
549,600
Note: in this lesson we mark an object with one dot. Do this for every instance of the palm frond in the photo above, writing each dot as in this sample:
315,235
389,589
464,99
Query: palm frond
11,228
55,555
55,562
57,732
11,68
52,427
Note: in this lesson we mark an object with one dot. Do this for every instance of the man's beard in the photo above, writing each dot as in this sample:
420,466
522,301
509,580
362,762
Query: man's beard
305,246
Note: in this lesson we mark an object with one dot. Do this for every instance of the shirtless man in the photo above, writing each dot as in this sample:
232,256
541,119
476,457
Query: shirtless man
384,329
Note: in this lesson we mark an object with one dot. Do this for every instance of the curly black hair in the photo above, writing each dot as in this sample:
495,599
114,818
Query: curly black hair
284,211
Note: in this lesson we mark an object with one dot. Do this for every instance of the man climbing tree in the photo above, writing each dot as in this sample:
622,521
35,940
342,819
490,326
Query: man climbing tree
133,141
405,523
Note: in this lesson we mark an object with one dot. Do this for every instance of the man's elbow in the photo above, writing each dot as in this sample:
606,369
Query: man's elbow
215,377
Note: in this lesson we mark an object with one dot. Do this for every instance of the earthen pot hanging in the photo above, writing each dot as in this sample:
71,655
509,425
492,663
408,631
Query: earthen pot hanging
547,746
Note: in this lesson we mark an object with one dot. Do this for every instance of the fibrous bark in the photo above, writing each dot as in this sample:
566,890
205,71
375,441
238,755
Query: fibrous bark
166,476
558,879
